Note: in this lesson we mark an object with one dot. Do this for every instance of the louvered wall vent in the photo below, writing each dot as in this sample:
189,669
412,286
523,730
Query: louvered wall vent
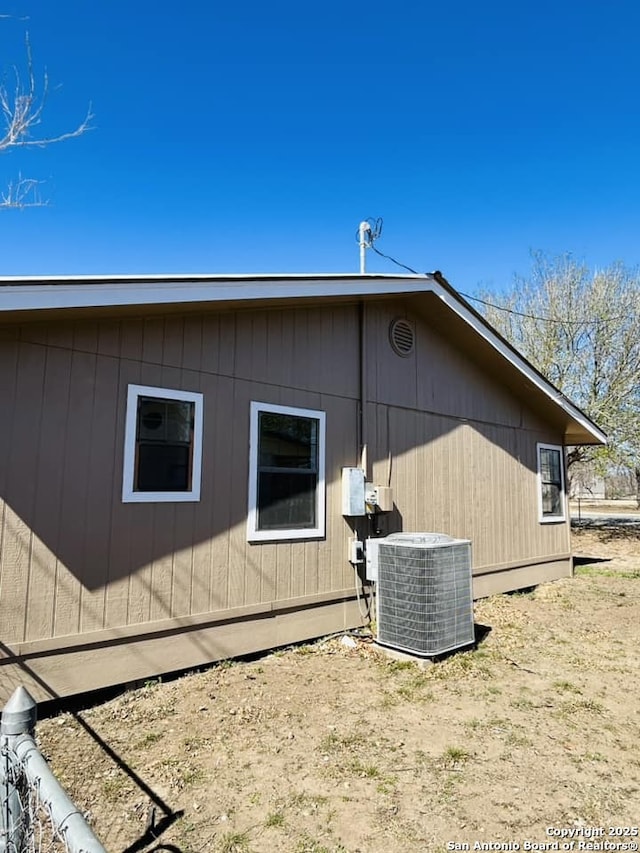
402,336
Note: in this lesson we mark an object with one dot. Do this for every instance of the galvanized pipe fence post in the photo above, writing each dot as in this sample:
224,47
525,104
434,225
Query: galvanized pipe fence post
18,747
18,719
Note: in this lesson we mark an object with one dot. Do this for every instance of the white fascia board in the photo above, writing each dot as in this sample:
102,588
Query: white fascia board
98,293
519,363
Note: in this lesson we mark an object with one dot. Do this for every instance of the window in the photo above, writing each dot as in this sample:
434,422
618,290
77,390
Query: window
162,446
551,482
286,473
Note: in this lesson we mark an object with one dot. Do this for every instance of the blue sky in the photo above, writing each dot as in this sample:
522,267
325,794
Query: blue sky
254,137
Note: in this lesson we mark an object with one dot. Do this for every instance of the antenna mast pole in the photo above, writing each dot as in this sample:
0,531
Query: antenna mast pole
365,236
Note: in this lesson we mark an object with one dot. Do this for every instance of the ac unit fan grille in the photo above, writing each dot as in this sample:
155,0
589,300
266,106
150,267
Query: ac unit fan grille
425,598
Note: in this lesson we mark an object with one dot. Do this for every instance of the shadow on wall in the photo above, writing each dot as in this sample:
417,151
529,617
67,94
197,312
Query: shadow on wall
61,459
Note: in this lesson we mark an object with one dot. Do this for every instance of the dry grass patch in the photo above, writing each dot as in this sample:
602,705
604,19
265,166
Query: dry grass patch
323,749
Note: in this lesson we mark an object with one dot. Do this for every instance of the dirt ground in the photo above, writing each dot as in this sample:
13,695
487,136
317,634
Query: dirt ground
325,748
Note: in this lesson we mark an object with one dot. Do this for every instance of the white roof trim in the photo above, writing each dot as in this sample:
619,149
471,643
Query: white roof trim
32,294
100,293
523,366
205,277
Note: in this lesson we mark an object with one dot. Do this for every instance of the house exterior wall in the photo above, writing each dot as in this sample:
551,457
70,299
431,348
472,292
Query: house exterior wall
94,591
463,455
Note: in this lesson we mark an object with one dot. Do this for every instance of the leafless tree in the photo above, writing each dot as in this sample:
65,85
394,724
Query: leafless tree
581,329
23,100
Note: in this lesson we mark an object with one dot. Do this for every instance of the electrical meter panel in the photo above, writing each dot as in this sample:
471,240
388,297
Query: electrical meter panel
353,485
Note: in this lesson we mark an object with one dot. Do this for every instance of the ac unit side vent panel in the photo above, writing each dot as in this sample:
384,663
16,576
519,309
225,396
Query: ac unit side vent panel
425,595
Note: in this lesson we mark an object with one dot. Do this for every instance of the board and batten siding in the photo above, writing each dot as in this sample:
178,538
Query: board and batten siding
75,559
460,454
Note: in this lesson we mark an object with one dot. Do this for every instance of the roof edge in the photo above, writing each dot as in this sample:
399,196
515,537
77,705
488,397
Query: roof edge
8,280
460,306
64,292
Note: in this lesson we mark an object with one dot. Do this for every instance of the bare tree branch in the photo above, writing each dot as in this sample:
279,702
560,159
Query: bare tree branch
582,330
21,193
22,107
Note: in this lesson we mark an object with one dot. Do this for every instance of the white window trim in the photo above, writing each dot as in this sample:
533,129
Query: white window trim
128,493
318,532
546,519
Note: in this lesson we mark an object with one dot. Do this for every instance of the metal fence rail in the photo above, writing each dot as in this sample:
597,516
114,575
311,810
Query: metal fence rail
36,815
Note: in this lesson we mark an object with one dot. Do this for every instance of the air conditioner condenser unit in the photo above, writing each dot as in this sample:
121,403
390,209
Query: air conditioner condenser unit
424,593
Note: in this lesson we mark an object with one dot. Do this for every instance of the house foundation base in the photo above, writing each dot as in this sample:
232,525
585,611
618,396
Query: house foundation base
52,673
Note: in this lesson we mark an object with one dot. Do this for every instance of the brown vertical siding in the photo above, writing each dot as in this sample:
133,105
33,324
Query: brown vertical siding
463,450
75,559
21,481
122,522
269,571
47,512
470,481
219,477
103,489
75,487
